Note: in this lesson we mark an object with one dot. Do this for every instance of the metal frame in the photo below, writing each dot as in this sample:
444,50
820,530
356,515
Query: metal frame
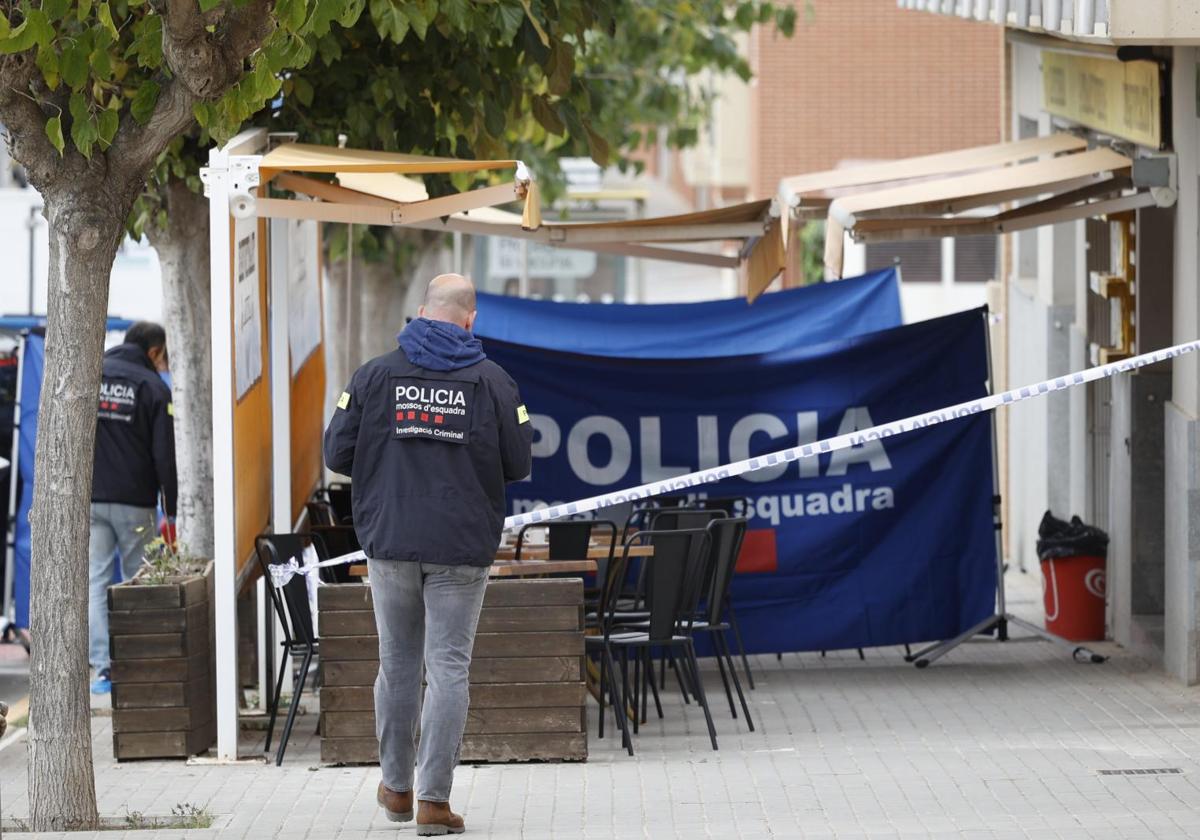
1001,619
224,178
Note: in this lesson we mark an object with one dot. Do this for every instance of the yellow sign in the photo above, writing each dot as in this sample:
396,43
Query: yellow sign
522,415
344,401
1121,98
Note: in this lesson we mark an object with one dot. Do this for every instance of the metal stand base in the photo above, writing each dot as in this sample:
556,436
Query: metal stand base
1000,623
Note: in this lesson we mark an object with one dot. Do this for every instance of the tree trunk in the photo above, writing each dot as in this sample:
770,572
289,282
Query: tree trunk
86,225
183,253
382,297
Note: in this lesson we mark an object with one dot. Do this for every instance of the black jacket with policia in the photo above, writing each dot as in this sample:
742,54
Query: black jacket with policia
135,433
430,434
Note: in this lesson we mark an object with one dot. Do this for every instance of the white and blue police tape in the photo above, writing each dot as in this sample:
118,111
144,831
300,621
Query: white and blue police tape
794,453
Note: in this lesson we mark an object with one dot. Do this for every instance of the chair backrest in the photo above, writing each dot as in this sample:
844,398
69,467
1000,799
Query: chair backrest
732,505
725,539
673,579
320,512
681,519
570,539
338,496
335,540
291,600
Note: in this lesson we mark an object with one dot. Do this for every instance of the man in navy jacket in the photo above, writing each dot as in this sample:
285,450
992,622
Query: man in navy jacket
429,434
134,463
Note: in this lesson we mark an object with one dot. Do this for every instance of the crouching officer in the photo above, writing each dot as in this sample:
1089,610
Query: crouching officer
429,433
135,460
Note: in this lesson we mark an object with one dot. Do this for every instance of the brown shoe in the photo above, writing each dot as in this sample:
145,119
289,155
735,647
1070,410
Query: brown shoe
435,819
398,806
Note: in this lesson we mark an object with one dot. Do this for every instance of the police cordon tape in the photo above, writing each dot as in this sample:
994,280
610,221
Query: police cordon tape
283,573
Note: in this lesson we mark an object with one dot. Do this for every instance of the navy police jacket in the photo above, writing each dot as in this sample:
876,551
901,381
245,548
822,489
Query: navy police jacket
429,434
135,433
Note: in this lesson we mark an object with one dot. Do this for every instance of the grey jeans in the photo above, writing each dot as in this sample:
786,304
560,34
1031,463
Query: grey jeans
424,612
115,528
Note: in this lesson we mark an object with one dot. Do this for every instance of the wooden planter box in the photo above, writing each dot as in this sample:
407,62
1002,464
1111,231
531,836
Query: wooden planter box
527,688
163,692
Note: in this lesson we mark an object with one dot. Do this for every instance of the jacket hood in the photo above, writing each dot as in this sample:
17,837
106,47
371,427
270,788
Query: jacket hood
439,345
131,353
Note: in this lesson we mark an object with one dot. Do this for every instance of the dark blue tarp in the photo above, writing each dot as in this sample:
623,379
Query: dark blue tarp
885,543
777,321
29,322
32,364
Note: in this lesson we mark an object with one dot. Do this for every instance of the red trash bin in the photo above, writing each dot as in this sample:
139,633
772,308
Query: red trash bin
1073,591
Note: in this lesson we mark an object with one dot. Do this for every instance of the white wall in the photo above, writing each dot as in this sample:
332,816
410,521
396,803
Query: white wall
135,290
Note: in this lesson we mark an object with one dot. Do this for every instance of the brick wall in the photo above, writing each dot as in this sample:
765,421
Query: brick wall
862,79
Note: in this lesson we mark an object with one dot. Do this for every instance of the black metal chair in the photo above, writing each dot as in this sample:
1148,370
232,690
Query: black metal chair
570,539
673,586
719,507
295,616
726,539
611,580
337,496
335,541
320,512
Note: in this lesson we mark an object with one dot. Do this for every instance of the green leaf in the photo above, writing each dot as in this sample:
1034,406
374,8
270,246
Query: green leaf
107,125
35,30
302,89
456,11
74,65
5,26
147,42
562,68
83,10
104,15
55,134
83,128
510,21
55,9
101,64
598,147
391,20
419,22
545,39
546,116
351,13
493,117
209,5
47,62
144,100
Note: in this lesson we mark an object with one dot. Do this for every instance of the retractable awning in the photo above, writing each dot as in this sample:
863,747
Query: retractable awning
1069,186
756,227
289,166
808,195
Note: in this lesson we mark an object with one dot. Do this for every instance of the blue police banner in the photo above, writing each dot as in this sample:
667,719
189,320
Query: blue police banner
33,360
887,542
777,321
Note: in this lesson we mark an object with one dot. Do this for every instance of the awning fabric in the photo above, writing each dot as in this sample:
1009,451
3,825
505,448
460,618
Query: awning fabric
290,164
782,321
754,225
803,189
1068,186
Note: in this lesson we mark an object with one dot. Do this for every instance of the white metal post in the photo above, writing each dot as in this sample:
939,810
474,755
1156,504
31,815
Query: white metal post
216,178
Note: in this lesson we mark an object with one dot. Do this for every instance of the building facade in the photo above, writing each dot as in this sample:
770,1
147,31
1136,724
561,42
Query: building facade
1124,453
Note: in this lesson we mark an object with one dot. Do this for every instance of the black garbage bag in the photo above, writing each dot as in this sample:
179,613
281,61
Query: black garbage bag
1058,538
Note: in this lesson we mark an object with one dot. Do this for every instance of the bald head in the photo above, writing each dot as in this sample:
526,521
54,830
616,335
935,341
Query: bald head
450,297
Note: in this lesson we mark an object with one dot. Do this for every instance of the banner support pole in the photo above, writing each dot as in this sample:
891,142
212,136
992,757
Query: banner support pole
1001,620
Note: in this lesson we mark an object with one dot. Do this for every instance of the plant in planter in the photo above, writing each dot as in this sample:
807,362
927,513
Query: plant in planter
159,638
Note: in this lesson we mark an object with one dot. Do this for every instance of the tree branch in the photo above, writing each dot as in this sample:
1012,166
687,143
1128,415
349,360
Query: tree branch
24,119
203,64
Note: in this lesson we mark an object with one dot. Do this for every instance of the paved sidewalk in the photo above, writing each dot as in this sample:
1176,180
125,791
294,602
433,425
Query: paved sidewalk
995,741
